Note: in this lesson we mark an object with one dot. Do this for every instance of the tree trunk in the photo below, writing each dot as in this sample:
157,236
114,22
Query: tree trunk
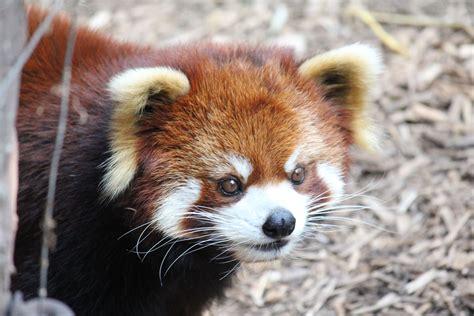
13,32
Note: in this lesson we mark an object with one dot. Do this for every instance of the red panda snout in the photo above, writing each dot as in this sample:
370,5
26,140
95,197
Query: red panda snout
254,222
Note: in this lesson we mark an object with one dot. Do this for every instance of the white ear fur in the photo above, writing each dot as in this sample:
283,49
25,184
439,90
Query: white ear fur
132,87
368,58
131,90
359,65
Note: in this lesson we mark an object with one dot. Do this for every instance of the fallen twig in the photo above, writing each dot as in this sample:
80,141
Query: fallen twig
413,20
388,40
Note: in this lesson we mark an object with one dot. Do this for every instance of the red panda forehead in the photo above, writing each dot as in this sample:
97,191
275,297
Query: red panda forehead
240,78
260,114
237,110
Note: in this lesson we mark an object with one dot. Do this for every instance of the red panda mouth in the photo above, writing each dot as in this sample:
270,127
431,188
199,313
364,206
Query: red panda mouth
275,245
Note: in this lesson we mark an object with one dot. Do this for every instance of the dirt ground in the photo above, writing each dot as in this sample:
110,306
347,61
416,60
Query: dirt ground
411,251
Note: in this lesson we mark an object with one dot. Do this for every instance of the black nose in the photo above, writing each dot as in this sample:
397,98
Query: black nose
279,224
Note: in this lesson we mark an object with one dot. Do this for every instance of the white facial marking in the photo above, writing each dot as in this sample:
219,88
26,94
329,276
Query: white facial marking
332,176
241,164
242,222
175,205
290,164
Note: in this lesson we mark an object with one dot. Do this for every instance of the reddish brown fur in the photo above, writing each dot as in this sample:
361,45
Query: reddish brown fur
244,100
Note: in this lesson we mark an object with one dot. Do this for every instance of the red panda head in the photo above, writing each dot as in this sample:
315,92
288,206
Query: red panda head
238,150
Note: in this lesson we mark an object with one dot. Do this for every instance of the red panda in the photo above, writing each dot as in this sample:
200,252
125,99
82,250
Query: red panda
179,163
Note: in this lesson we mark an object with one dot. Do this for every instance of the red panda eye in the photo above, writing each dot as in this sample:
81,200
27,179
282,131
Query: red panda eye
230,186
297,177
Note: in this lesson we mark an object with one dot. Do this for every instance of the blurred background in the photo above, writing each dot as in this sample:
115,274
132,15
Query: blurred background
411,251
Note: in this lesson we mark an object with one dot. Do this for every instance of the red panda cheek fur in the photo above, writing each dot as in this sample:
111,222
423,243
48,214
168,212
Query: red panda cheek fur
244,100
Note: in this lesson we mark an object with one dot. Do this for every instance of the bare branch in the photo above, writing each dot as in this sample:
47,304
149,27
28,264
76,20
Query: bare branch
48,222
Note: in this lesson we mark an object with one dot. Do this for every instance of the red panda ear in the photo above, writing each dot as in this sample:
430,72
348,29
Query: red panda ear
347,76
131,91
132,88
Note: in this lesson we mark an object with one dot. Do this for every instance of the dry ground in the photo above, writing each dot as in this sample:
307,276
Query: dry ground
415,254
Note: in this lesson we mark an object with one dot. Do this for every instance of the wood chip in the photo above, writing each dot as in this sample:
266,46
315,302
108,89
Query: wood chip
386,215
388,300
456,229
426,77
322,297
422,281
410,167
360,243
426,113
261,284
407,198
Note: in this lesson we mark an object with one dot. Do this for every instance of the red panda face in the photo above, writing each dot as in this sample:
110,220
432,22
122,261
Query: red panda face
236,154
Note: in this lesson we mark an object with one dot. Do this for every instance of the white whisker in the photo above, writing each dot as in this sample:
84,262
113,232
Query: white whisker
133,229
350,220
230,271
163,261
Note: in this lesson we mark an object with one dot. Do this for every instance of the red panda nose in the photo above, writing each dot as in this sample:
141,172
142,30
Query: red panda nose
279,224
